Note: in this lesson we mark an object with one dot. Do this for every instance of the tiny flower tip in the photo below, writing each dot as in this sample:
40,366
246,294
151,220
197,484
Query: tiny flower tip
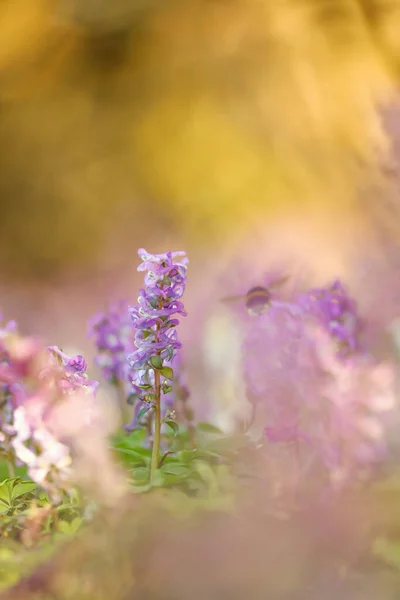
78,363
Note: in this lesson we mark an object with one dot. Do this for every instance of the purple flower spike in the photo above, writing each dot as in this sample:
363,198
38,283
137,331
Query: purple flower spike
112,333
156,338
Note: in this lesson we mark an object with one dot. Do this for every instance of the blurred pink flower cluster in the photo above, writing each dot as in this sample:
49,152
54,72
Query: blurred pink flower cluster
306,370
357,392
34,380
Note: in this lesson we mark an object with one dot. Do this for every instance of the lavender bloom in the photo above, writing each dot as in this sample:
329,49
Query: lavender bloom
156,338
281,371
73,372
308,391
333,308
112,332
359,392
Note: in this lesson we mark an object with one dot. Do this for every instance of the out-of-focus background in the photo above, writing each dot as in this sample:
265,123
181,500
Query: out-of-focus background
242,131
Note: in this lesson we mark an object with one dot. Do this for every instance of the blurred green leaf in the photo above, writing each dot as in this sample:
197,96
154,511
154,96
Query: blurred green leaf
19,471
176,469
141,474
11,489
167,372
156,362
208,428
23,487
143,411
207,474
173,425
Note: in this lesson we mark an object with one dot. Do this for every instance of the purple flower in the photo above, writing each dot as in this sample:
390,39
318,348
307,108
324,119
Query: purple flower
112,332
333,308
156,338
73,371
77,363
311,390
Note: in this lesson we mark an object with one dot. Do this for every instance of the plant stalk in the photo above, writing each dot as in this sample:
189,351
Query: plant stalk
10,461
157,426
7,448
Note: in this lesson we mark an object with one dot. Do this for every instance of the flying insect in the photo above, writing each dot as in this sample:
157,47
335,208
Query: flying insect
258,298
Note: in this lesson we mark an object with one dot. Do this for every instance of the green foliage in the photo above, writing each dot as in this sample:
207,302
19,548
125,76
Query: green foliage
19,471
195,471
14,493
201,472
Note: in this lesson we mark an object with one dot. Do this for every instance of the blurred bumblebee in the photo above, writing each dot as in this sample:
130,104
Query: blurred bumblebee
258,299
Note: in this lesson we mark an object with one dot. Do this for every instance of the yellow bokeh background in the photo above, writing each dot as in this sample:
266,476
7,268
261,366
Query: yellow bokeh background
190,119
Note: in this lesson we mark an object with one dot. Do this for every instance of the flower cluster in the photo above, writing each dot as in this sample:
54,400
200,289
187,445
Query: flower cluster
20,361
48,460
156,338
357,393
336,311
33,380
279,365
304,367
112,333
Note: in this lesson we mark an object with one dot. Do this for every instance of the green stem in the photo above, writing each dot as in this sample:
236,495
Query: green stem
8,450
157,426
10,459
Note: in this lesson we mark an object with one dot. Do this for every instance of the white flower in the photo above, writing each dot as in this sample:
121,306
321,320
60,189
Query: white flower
50,456
21,425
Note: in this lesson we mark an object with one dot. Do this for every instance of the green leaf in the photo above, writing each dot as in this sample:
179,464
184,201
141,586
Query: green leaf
224,445
186,456
5,492
174,426
141,474
207,474
175,469
4,473
64,527
135,439
6,489
64,507
208,428
167,372
134,442
69,527
23,487
141,489
140,457
169,457
76,523
143,411
156,362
